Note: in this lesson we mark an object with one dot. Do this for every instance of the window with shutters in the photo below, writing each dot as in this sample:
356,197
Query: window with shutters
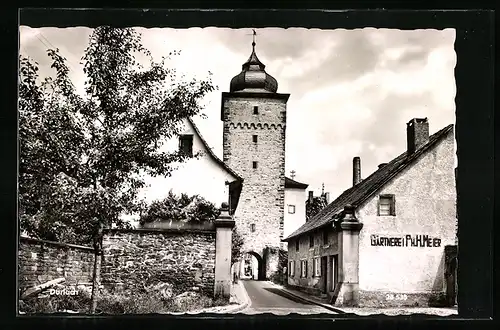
317,267
387,205
303,268
291,268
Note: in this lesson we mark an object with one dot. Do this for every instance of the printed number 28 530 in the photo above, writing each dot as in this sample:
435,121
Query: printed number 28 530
391,296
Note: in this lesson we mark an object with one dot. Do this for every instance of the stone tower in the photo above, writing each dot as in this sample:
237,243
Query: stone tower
254,117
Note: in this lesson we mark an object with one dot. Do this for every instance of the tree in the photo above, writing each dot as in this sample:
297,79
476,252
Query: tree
318,203
180,208
82,158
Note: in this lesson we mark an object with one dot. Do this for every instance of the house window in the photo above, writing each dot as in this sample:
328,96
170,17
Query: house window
254,138
255,110
254,164
303,268
325,237
311,241
186,144
291,268
297,244
291,209
387,205
252,227
317,267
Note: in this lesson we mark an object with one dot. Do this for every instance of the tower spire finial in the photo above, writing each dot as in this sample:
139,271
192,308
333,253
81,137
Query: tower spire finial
254,34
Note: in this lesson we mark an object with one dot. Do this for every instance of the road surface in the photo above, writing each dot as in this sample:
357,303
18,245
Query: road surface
267,298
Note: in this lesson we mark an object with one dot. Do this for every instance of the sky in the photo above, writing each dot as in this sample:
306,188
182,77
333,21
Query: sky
352,91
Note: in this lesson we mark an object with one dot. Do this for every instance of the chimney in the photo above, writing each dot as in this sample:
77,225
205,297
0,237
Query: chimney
356,171
327,198
417,133
310,196
381,165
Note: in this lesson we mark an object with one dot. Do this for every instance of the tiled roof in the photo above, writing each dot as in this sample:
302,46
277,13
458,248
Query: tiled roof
366,188
290,183
211,153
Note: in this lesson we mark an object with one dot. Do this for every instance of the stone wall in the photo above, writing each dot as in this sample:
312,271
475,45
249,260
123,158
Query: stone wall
41,261
134,259
262,198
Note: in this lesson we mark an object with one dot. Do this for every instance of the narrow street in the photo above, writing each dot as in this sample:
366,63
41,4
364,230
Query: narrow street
267,298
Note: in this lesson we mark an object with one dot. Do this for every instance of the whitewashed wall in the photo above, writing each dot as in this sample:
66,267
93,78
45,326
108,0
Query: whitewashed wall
202,176
297,197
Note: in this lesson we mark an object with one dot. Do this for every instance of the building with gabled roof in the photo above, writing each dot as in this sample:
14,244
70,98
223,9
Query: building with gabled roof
382,241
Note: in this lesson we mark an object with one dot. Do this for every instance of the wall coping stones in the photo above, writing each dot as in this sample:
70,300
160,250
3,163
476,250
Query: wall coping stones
223,223
174,231
24,239
180,225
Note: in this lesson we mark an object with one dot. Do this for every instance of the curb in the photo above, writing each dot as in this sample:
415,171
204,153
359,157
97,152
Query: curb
225,309
246,303
233,309
326,306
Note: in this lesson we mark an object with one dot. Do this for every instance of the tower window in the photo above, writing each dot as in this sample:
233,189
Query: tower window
291,209
254,164
252,227
186,144
254,138
255,110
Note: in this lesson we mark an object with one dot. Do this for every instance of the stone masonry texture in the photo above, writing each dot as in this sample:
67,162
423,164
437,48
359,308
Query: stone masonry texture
133,260
41,261
262,198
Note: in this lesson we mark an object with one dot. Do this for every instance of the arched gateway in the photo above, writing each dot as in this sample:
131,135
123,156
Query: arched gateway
252,266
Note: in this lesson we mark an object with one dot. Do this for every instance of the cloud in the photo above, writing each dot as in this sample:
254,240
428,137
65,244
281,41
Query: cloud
352,91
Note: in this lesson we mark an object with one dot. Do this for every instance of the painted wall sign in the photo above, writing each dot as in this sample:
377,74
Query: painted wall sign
406,241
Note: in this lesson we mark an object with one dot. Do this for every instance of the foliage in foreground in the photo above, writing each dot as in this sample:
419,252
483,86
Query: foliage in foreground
181,208
140,303
82,158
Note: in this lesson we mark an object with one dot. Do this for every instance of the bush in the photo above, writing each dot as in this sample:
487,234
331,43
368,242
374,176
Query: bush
139,303
180,208
438,300
154,302
56,303
107,303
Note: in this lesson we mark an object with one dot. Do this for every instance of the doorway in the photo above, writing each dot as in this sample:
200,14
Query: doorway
333,272
324,274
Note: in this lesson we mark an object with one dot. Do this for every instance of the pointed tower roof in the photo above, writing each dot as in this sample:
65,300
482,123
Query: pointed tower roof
253,77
